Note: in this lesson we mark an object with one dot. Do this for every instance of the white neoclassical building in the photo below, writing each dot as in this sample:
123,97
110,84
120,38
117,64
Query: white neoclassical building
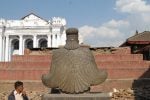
30,31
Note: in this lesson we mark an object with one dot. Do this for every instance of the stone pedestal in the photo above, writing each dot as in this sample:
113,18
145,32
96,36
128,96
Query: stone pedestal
89,96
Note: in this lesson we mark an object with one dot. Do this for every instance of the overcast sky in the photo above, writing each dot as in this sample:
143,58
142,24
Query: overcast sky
100,22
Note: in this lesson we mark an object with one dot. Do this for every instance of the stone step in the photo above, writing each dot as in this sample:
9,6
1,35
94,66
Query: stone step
120,57
22,74
35,74
101,64
123,64
128,73
4,64
85,96
31,67
24,65
99,57
31,58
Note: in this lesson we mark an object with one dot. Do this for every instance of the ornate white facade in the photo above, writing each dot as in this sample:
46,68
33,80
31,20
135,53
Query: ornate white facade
30,32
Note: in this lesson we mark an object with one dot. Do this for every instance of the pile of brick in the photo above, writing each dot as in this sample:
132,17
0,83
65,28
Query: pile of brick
141,93
124,94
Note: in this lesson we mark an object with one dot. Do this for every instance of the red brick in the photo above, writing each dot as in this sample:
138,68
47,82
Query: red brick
120,57
118,66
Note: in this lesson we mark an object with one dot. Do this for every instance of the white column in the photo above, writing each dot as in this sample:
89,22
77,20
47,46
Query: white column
35,41
10,52
7,49
53,40
49,40
1,48
23,46
20,45
58,40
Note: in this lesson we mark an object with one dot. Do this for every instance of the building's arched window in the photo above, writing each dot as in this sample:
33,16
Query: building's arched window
43,43
15,44
29,43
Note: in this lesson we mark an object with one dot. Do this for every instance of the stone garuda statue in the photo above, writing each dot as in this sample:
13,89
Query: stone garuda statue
73,68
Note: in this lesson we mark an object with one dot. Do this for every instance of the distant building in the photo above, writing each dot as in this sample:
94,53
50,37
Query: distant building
30,32
139,43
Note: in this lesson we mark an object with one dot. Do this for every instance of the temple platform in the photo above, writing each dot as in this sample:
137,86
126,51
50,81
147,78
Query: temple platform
88,96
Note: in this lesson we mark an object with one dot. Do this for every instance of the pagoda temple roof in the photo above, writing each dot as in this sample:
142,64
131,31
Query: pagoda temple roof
144,36
138,38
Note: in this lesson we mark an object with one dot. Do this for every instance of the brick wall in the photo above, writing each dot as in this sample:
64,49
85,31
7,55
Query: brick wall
120,66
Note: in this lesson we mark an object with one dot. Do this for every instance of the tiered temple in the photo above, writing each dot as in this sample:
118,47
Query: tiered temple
139,43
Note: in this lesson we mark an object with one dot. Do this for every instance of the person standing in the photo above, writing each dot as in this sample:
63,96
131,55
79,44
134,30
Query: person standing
18,93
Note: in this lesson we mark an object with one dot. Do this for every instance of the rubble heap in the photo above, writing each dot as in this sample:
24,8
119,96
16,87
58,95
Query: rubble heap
141,93
123,94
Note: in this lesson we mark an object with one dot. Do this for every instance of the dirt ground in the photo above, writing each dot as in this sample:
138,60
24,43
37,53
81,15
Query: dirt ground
35,90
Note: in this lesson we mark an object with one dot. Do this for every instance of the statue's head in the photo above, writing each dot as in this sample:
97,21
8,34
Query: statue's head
72,41
72,34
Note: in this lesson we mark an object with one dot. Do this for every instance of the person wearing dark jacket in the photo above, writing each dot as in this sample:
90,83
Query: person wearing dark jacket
18,93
